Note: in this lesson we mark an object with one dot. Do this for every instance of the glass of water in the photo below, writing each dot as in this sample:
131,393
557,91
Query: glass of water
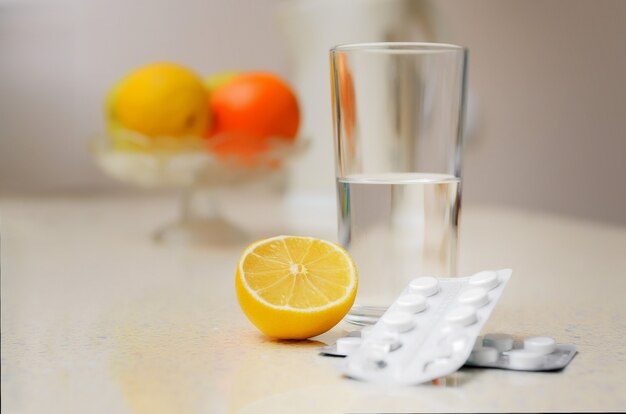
398,113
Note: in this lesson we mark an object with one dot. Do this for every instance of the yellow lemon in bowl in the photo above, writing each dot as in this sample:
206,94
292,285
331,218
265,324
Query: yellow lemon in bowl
160,99
293,287
217,80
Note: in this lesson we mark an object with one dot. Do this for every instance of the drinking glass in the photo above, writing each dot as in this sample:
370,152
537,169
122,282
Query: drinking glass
398,113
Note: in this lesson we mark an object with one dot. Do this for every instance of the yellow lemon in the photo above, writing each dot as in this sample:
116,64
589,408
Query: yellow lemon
295,287
217,80
161,99
119,135
109,108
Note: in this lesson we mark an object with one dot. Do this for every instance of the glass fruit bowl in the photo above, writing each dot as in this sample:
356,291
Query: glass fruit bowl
197,167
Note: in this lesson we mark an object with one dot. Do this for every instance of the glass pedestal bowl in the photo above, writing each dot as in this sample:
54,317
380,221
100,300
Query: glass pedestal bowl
189,165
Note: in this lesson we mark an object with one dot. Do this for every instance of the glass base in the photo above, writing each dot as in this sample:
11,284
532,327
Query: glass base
216,231
364,315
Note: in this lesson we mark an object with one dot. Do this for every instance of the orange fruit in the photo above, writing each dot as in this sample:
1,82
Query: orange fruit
294,287
250,110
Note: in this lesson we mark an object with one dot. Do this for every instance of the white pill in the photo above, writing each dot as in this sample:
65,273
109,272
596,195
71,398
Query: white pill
462,316
458,343
447,330
347,344
413,303
502,342
398,321
487,279
540,344
483,355
374,358
476,297
438,364
523,359
386,344
366,330
426,285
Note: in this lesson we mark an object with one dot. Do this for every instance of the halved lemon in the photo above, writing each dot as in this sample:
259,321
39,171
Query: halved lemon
294,287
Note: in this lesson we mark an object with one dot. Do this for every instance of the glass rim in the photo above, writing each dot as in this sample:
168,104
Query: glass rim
398,47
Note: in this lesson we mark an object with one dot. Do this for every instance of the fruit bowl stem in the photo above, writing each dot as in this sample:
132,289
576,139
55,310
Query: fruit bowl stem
200,222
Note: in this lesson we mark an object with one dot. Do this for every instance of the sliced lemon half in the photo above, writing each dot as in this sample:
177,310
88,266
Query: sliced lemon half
293,287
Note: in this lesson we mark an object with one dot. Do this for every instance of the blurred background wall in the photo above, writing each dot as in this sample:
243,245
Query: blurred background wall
547,83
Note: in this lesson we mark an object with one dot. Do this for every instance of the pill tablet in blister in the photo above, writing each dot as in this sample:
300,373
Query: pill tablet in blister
483,355
365,331
540,344
531,358
347,344
523,359
412,303
456,340
462,316
425,285
374,358
386,344
474,297
433,342
502,342
398,321
438,364
486,279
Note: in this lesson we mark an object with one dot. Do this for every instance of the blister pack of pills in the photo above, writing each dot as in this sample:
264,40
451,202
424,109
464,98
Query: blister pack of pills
533,353
427,333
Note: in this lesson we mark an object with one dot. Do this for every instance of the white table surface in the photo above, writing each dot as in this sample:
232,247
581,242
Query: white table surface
97,319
